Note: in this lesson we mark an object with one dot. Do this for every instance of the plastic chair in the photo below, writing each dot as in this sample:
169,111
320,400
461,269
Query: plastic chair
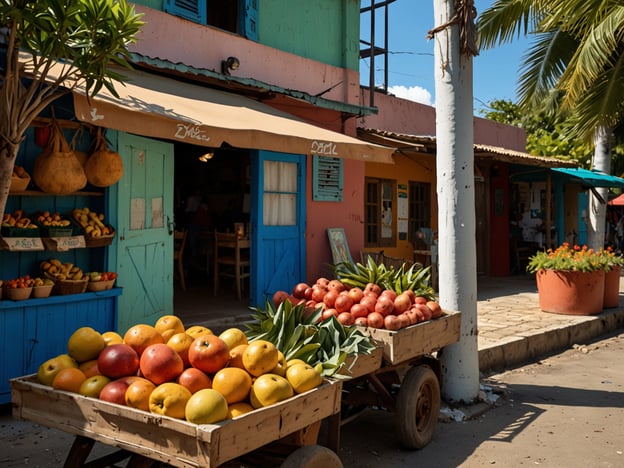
179,243
231,259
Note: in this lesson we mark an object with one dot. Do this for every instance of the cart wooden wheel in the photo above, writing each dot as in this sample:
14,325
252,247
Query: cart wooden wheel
312,456
417,407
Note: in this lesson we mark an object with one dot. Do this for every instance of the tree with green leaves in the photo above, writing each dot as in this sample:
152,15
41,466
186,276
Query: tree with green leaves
574,66
86,36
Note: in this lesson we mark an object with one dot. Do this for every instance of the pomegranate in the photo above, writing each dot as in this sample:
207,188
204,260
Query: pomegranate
375,320
359,310
356,294
330,298
346,318
436,310
361,322
402,303
392,322
369,302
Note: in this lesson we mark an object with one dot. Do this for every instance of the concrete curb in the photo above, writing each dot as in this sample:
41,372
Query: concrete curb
518,350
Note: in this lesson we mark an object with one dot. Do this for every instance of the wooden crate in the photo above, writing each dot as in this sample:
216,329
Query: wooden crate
417,340
173,441
362,365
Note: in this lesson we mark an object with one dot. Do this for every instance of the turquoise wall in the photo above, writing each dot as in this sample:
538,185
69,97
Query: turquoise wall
324,30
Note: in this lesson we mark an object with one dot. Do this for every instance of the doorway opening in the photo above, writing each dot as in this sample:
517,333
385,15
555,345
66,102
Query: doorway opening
211,193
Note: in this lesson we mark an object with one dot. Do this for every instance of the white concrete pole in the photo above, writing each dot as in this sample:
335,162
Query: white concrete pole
596,228
456,204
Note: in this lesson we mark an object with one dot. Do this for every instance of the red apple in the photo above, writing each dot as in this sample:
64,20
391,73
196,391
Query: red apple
318,293
323,282
330,298
160,363
209,353
436,310
308,293
299,290
402,303
115,391
343,302
375,320
279,297
388,293
118,360
384,305
356,294
346,318
336,285
361,321
369,301
392,322
194,379
420,300
426,311
372,287
328,312
358,310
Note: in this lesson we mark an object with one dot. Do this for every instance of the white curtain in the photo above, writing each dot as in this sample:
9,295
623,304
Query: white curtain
280,193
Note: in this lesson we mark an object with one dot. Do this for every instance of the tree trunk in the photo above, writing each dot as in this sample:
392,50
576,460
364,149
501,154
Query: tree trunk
456,205
8,154
597,209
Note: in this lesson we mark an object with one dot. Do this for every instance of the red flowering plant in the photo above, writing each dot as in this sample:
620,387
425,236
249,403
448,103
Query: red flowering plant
577,258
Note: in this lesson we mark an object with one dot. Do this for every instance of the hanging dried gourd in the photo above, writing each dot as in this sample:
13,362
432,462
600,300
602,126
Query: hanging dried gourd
56,169
104,167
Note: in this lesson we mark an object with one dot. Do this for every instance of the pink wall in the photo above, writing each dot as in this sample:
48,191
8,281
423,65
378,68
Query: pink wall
403,116
348,215
257,61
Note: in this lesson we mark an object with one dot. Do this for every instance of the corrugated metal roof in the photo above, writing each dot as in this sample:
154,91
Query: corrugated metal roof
426,144
248,86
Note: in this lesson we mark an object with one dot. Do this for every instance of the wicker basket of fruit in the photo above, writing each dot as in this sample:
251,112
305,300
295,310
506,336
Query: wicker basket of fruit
101,281
18,289
42,287
19,180
96,232
17,224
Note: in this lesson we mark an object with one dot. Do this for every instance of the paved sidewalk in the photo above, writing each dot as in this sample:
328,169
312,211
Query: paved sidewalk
513,330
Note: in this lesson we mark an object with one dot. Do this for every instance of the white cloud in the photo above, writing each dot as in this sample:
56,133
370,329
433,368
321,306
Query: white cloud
413,93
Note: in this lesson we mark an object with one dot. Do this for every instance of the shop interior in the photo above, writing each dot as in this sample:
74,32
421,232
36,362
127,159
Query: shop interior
211,194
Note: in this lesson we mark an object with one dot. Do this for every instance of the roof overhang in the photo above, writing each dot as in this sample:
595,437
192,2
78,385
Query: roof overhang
589,178
426,145
155,106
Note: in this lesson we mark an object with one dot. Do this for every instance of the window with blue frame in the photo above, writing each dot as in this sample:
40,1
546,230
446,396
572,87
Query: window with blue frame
236,16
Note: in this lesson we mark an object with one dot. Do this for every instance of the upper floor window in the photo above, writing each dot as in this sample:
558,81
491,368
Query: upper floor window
237,16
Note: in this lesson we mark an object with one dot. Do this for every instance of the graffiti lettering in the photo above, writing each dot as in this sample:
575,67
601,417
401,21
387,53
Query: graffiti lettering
191,131
324,148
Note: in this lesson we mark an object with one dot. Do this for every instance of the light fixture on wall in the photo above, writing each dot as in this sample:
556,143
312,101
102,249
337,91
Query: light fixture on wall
231,63
206,156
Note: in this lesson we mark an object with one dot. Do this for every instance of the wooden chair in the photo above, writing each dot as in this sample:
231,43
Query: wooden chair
231,259
179,243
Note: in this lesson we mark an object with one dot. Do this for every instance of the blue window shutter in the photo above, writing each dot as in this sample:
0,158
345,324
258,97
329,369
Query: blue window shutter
192,10
250,19
327,175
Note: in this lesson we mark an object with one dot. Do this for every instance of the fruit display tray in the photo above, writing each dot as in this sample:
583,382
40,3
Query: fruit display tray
417,340
169,440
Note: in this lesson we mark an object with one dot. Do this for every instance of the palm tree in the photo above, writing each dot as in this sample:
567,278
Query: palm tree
577,51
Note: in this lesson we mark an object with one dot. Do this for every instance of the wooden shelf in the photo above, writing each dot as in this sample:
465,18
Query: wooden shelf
38,193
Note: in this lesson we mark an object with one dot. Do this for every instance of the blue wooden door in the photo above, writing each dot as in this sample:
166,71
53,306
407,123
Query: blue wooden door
277,223
145,226
583,213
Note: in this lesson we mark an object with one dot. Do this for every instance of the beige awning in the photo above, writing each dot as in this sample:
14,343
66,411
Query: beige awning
155,106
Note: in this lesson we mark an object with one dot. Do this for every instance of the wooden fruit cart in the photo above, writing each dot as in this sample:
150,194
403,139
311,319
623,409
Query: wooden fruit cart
400,375
403,377
145,437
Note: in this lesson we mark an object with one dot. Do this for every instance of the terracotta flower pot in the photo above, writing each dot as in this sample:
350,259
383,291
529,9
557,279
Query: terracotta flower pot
571,292
612,288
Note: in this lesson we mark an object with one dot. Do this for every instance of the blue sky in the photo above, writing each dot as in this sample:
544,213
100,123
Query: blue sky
410,68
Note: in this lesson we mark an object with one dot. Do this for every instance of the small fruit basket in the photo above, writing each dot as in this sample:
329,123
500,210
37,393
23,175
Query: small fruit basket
18,289
42,287
55,225
65,287
96,232
18,224
19,180
101,281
